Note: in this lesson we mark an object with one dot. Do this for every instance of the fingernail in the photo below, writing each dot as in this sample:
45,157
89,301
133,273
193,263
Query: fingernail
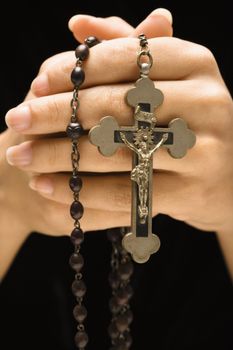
163,12
43,185
20,155
19,118
40,85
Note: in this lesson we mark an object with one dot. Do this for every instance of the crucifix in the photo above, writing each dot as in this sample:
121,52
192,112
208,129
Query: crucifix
143,138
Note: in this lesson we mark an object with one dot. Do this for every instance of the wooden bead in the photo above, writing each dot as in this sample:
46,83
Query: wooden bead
124,294
128,339
75,183
113,235
114,305
79,288
114,280
76,262
113,331
91,41
80,313
77,76
81,339
123,321
120,347
125,341
77,236
74,131
82,52
76,210
125,270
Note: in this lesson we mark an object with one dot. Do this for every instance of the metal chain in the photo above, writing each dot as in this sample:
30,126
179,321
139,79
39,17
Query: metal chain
144,57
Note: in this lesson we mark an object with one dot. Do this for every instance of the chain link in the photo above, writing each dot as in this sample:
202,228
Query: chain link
144,57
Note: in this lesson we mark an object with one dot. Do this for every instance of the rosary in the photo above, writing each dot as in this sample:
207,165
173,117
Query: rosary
143,138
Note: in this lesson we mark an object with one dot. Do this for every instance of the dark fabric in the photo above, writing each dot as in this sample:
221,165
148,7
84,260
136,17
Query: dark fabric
183,295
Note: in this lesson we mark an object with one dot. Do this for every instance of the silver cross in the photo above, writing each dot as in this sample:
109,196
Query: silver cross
143,138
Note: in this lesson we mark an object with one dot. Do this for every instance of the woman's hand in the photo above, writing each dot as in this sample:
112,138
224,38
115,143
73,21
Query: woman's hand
197,189
24,210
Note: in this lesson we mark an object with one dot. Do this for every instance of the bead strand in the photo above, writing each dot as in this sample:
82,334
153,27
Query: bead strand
122,292
74,132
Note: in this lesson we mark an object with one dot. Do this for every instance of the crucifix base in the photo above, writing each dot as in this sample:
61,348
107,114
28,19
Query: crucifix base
141,248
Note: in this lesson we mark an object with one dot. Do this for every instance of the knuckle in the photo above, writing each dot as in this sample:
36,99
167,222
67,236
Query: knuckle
203,59
216,104
213,154
115,18
44,65
213,95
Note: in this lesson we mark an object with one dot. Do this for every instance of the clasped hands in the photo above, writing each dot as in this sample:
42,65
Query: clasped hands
197,189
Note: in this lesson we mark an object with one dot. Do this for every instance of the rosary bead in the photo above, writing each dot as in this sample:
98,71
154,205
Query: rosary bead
91,41
124,294
113,331
123,321
114,305
113,235
74,131
76,210
75,183
125,270
82,52
120,347
81,339
77,76
76,262
124,343
114,280
129,316
79,288
80,313
128,339
77,236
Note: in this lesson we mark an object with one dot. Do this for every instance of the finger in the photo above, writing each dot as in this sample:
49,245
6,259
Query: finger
58,221
115,189
53,155
157,24
114,61
111,193
51,114
83,26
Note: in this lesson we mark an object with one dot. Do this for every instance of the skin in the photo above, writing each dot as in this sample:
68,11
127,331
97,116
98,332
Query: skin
189,77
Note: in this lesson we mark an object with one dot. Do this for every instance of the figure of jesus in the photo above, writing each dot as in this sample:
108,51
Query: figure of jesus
140,174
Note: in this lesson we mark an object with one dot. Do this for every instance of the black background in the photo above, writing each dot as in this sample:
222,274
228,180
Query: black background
183,295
